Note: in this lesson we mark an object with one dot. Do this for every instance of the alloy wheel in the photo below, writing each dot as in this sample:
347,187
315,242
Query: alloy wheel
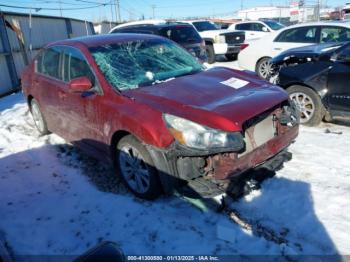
265,68
304,104
134,169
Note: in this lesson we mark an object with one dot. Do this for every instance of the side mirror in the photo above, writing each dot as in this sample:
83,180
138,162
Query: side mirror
265,29
80,85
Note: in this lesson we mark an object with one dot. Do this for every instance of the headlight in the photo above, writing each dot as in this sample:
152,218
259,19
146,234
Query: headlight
196,136
219,39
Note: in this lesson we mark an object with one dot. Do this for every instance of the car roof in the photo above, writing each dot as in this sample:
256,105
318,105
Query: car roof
153,23
166,25
192,21
252,21
141,22
328,23
105,39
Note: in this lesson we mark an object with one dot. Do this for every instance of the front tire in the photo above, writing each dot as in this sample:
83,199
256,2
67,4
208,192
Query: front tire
308,103
135,166
210,53
38,117
263,68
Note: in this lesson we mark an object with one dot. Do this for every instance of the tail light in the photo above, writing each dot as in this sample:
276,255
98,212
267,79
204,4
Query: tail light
243,46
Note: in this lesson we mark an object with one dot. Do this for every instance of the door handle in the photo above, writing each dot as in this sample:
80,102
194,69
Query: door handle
277,48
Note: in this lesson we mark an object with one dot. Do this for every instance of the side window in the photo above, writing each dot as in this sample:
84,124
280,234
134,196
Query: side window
334,34
48,62
245,27
298,35
257,27
75,65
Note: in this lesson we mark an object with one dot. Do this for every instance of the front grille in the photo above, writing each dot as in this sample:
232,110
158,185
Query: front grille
233,39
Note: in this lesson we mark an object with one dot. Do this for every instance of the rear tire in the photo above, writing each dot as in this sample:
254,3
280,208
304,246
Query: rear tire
135,166
38,117
210,53
263,68
308,103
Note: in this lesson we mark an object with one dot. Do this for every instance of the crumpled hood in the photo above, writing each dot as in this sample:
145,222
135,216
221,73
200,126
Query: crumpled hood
203,97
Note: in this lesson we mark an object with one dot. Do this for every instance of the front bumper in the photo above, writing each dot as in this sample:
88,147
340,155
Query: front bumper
184,164
224,48
232,164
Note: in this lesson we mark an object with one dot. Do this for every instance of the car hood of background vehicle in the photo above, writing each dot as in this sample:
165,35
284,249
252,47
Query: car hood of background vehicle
204,99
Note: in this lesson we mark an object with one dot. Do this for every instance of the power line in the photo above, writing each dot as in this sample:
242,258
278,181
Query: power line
47,8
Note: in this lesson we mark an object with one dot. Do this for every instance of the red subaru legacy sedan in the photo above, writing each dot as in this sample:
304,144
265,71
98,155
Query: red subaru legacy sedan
147,105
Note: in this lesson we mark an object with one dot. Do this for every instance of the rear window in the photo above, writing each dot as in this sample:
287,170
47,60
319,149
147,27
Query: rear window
182,34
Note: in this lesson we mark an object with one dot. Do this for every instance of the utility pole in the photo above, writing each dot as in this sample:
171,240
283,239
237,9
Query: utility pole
153,11
60,7
241,4
117,11
110,21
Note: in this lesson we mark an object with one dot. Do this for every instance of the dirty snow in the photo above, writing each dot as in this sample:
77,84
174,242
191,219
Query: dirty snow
56,200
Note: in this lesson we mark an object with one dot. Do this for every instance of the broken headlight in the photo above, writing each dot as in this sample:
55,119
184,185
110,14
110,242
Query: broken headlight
196,136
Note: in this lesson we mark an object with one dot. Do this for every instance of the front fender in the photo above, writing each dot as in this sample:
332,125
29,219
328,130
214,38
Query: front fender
140,120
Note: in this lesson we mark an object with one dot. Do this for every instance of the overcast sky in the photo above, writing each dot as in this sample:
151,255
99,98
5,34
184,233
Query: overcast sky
133,9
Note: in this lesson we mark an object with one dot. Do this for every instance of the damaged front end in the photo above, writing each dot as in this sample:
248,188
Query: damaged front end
283,60
263,137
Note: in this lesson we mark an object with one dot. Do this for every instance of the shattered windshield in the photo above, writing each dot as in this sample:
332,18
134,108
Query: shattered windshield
133,64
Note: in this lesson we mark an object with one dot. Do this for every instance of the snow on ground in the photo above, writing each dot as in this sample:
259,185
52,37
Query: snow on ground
56,200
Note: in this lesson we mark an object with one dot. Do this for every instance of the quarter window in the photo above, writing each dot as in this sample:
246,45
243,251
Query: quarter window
298,35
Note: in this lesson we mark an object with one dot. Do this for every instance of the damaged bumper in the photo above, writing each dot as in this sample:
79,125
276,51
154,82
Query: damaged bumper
264,138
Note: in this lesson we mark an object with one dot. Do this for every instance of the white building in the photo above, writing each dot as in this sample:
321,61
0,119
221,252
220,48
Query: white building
257,13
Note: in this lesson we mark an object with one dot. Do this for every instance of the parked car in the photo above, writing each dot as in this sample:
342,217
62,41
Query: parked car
150,107
257,55
181,33
219,41
257,29
317,79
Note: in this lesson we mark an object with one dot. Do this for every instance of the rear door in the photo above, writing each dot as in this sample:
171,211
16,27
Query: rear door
47,83
338,82
295,37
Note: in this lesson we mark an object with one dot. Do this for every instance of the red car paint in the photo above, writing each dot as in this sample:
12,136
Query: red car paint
200,97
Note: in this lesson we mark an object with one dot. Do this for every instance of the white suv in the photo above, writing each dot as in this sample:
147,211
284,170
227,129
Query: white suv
257,29
218,41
